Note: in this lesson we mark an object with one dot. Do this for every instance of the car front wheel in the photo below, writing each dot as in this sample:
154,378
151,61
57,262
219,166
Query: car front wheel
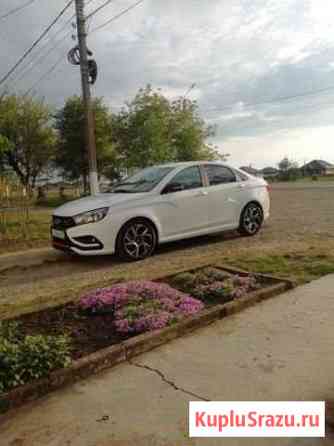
137,240
251,219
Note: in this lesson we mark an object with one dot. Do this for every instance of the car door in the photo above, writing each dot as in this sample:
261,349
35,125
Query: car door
184,204
223,196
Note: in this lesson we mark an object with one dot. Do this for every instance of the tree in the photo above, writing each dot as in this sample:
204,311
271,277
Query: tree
27,139
154,130
71,153
189,133
285,164
289,170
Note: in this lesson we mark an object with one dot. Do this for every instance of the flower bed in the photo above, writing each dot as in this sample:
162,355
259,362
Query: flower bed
111,315
59,346
105,317
140,306
215,286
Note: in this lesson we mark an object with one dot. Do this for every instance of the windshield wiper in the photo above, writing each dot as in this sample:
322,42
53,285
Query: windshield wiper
124,191
129,183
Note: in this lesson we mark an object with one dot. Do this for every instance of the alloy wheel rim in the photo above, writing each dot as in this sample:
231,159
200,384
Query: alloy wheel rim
253,219
138,241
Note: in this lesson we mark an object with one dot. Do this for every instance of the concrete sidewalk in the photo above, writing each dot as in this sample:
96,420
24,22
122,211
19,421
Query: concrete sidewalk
282,349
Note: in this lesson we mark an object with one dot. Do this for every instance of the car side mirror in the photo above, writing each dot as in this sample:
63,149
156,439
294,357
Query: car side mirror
172,187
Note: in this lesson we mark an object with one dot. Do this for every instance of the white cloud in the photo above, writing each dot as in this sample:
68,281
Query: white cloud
268,150
238,52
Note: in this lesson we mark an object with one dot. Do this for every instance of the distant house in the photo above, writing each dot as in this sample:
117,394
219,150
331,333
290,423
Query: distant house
317,168
251,171
270,172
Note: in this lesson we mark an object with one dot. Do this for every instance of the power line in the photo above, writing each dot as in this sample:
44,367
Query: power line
88,21
87,3
28,67
41,58
38,59
44,33
45,75
288,118
117,16
56,64
274,100
41,54
53,67
17,9
99,9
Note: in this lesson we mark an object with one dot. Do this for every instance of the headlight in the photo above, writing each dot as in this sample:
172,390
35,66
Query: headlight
91,216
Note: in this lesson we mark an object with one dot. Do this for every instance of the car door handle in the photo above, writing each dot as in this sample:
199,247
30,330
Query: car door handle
241,186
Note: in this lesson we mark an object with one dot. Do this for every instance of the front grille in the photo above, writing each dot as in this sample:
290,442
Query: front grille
62,222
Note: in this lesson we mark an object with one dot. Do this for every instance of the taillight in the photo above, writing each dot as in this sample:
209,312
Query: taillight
269,188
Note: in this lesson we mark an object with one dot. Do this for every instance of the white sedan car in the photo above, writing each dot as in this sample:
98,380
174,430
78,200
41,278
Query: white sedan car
162,204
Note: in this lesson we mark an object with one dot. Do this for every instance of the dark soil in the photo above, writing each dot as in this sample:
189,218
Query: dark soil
88,333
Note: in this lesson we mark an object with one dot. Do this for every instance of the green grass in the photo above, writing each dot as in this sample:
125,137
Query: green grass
19,232
300,267
15,234
320,178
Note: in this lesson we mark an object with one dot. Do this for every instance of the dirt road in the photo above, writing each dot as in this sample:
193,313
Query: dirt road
300,212
302,217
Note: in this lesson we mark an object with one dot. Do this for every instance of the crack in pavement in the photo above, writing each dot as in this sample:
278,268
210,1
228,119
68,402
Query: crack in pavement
167,381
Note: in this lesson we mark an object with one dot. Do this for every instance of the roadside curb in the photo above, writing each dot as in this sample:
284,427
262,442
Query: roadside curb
111,356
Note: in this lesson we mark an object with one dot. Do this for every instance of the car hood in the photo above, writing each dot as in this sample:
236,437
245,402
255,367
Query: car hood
95,202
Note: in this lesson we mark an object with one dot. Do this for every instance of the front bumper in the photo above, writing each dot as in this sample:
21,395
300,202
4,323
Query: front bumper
68,237
79,245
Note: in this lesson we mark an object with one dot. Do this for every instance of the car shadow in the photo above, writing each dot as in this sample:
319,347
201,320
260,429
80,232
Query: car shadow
196,242
165,248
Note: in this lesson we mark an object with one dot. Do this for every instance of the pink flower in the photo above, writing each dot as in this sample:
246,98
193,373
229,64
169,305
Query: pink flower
142,305
122,326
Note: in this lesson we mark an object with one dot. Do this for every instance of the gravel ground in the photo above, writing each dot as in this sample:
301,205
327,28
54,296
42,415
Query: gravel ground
302,216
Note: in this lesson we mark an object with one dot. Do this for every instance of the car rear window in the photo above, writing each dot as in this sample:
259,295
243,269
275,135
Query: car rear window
219,175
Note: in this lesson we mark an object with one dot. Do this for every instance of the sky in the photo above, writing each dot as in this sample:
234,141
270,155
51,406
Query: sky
263,69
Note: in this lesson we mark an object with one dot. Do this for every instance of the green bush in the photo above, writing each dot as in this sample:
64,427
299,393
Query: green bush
222,290
9,331
216,274
26,358
184,281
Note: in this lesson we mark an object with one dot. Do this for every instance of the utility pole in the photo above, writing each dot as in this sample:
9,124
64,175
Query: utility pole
86,97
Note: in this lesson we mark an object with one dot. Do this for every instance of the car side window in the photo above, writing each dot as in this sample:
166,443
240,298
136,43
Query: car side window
219,175
189,178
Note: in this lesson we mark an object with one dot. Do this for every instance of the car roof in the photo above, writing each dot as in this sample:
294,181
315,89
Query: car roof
190,163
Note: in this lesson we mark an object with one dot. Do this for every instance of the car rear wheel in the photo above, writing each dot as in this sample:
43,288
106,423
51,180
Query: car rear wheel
137,240
251,219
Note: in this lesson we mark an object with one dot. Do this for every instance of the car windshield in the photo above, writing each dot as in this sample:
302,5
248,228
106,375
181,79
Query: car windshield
143,181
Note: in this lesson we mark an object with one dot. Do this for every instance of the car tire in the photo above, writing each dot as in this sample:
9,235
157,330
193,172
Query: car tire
136,240
251,219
